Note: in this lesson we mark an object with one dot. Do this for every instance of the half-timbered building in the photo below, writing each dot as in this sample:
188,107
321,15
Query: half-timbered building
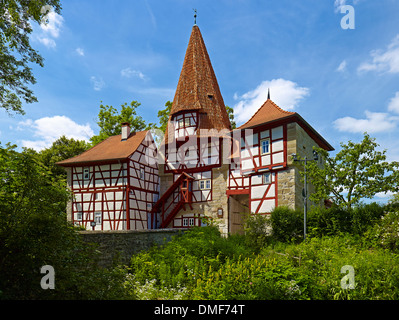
202,168
115,183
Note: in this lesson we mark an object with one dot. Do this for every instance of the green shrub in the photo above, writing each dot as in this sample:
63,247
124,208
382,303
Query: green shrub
333,221
385,233
287,224
256,231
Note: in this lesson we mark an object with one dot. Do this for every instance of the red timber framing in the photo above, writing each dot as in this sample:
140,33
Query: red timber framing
185,123
263,154
117,196
172,201
193,154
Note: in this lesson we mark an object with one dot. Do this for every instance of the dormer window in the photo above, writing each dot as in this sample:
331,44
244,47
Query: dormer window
185,123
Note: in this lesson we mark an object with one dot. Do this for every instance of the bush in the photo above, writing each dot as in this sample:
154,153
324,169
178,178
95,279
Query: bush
385,233
333,221
256,228
376,273
287,224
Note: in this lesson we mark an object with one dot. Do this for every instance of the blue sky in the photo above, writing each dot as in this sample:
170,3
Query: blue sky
342,81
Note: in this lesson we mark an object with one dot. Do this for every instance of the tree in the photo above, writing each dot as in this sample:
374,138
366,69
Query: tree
110,121
230,113
357,171
16,52
61,149
163,116
34,232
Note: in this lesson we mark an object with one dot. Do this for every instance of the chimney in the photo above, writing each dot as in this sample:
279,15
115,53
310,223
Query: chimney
125,130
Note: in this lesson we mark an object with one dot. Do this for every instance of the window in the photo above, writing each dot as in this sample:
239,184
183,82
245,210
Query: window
190,222
79,216
185,222
205,184
267,178
86,174
142,173
187,122
97,218
265,146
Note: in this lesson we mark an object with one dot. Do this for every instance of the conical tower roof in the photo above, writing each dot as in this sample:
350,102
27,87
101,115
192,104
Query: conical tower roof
198,88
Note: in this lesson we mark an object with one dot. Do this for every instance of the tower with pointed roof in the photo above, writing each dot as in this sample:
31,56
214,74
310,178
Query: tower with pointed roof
203,167
193,145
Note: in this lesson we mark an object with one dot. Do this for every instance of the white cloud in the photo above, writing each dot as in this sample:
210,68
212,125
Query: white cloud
339,3
387,60
50,29
342,66
53,24
284,93
394,103
49,129
98,83
80,51
48,42
129,73
374,122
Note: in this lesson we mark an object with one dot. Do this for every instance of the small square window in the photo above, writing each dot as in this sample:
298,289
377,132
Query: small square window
267,179
79,216
86,174
205,184
265,146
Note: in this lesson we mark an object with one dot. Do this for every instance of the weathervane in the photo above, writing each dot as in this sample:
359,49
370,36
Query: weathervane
195,17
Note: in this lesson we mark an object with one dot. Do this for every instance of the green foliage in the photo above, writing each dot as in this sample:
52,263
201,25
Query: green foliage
185,269
61,149
34,232
337,220
357,171
256,230
287,224
16,17
385,233
230,113
110,121
163,116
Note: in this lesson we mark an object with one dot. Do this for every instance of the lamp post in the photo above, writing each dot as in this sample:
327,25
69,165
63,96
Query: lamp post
305,189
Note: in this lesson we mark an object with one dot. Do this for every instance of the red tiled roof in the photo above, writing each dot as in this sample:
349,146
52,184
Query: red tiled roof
198,88
111,149
269,111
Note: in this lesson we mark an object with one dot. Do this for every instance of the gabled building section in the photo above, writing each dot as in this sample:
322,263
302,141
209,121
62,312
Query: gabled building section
115,183
262,175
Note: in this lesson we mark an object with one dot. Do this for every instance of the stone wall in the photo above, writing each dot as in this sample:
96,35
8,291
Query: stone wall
289,181
123,244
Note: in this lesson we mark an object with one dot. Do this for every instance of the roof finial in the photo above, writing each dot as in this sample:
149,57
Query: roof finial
268,94
195,17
